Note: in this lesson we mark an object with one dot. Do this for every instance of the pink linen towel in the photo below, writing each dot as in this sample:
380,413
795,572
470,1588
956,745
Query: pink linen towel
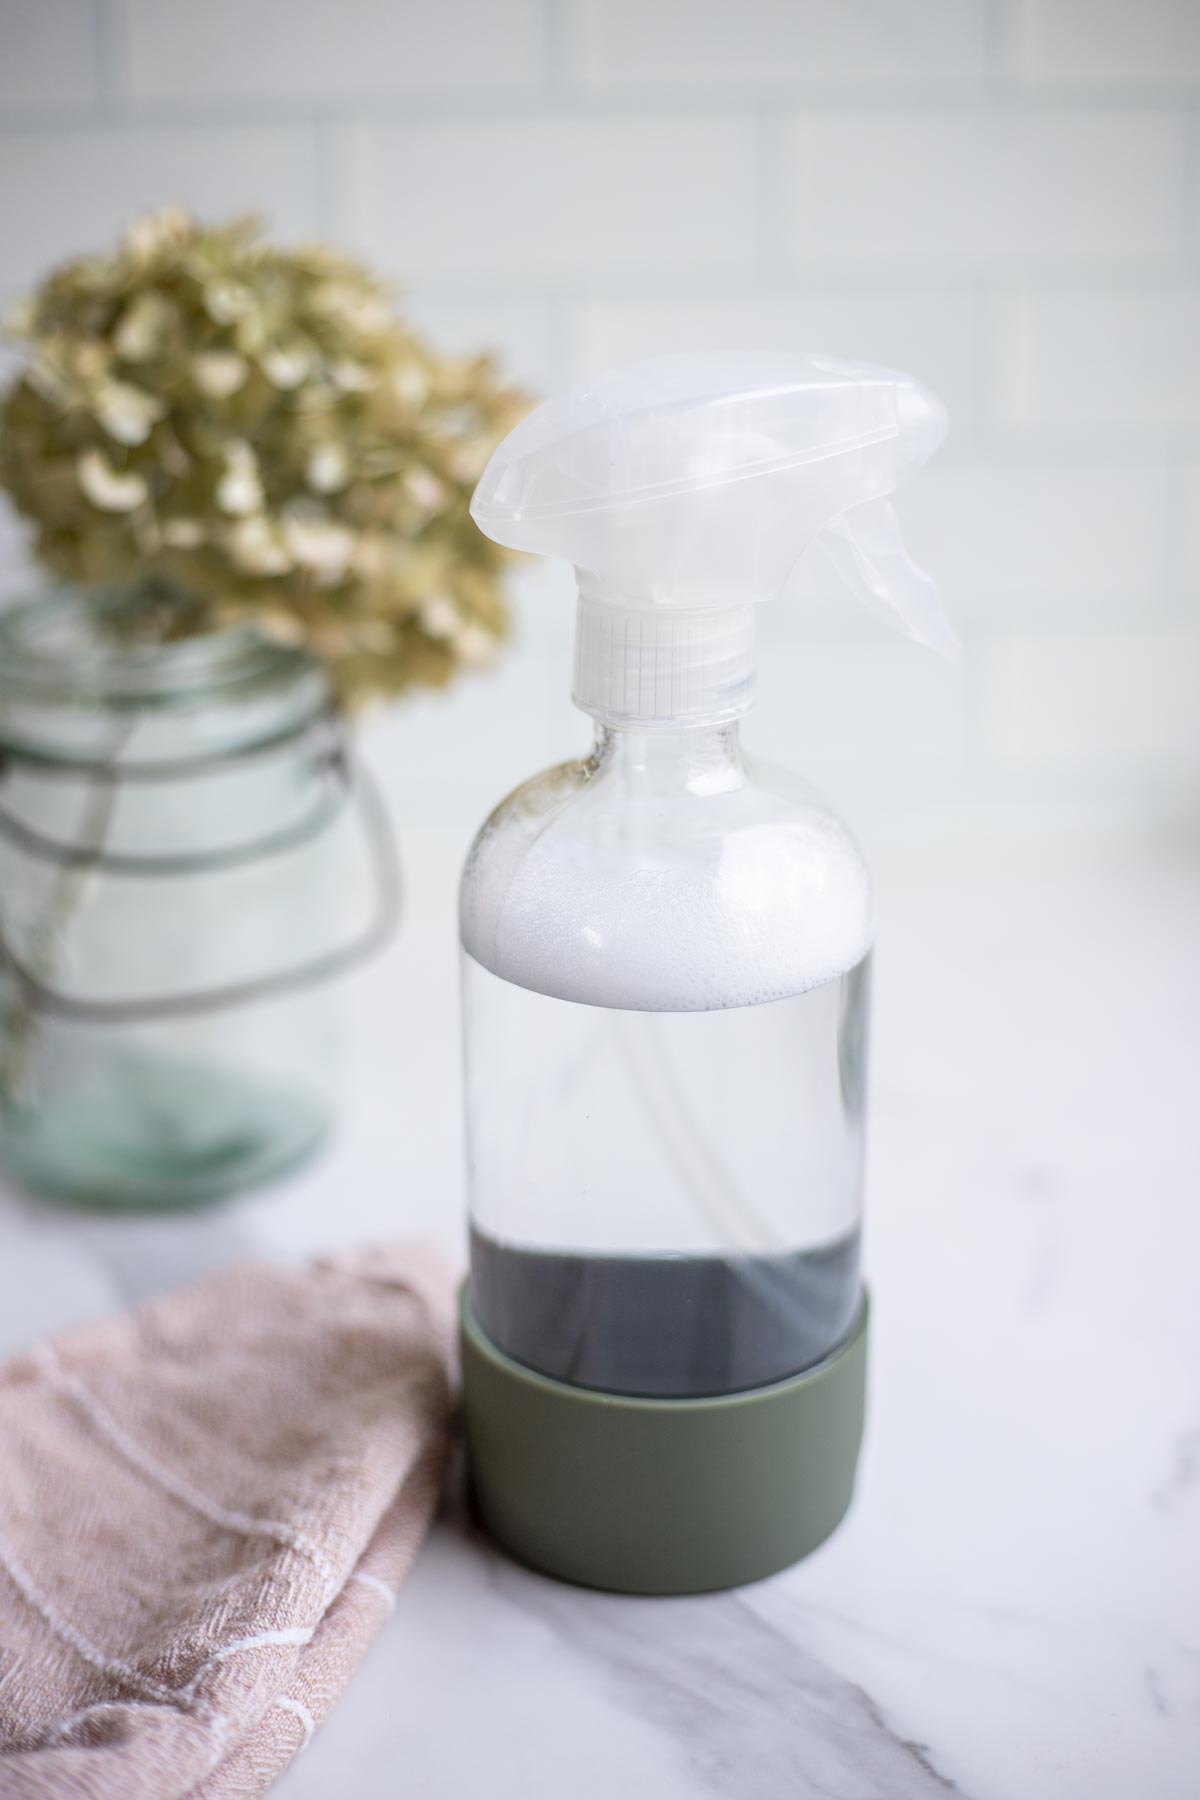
205,1509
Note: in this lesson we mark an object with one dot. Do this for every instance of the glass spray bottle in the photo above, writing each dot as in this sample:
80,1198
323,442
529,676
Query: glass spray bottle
666,957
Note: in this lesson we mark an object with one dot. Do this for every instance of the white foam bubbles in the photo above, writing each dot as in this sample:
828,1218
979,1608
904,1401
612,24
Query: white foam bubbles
715,911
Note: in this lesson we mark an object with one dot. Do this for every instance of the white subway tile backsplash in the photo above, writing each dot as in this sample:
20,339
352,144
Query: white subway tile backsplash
328,49
768,44
994,194
980,189
455,755
46,54
516,332
1075,701
1031,542
1092,361
888,706
558,198
542,593
65,193
1097,43
931,334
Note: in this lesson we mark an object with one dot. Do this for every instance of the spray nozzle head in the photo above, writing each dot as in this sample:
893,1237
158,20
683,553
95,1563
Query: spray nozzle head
691,485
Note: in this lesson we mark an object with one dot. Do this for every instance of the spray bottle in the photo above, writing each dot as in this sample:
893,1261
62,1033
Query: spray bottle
666,956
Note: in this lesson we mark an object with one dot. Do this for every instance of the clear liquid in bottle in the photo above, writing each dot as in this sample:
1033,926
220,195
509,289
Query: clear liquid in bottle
665,1203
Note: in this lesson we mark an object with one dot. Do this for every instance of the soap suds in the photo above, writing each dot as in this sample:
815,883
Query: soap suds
759,914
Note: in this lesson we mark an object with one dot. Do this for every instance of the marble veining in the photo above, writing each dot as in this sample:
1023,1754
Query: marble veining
753,1709
1012,1609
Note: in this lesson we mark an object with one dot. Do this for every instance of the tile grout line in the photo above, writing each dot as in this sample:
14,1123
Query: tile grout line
767,144
987,322
1000,78
552,96
555,48
113,57
561,346
1189,228
1178,602
329,149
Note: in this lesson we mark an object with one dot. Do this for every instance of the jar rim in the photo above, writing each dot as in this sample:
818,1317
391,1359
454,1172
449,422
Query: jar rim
65,646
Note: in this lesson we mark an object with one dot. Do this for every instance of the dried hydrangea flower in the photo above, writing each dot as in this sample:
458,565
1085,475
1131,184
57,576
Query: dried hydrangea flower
142,327
219,373
321,546
156,232
286,368
328,468
258,548
127,413
239,489
254,427
439,616
225,301
476,646
425,489
108,488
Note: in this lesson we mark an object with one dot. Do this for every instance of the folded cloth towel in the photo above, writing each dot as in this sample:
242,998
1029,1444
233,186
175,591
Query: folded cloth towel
205,1509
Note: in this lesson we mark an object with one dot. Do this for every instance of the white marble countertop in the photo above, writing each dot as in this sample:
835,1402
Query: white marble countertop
1012,1609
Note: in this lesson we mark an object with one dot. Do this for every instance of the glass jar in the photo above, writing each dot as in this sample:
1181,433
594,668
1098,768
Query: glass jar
187,858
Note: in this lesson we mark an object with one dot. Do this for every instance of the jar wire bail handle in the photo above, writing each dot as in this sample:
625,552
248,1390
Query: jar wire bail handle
385,912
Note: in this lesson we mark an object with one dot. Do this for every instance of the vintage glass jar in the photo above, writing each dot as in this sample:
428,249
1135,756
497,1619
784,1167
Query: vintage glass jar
188,859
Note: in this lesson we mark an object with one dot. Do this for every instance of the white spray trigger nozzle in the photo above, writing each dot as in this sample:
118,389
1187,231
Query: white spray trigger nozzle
865,547
690,486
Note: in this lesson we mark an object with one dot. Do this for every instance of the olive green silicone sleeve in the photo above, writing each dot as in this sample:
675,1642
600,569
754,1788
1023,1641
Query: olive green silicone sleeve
661,1496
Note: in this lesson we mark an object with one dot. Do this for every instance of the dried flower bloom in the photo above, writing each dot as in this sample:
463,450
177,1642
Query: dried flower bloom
17,319
286,368
410,386
255,428
107,487
476,646
239,490
328,468
141,329
351,376
225,301
219,373
257,547
155,232
424,489
440,617
319,545
127,413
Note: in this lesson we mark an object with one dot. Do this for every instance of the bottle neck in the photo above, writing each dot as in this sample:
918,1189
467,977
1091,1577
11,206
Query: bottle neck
699,760
662,668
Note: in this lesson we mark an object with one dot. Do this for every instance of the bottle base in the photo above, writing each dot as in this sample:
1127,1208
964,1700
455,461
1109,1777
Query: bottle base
649,1496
